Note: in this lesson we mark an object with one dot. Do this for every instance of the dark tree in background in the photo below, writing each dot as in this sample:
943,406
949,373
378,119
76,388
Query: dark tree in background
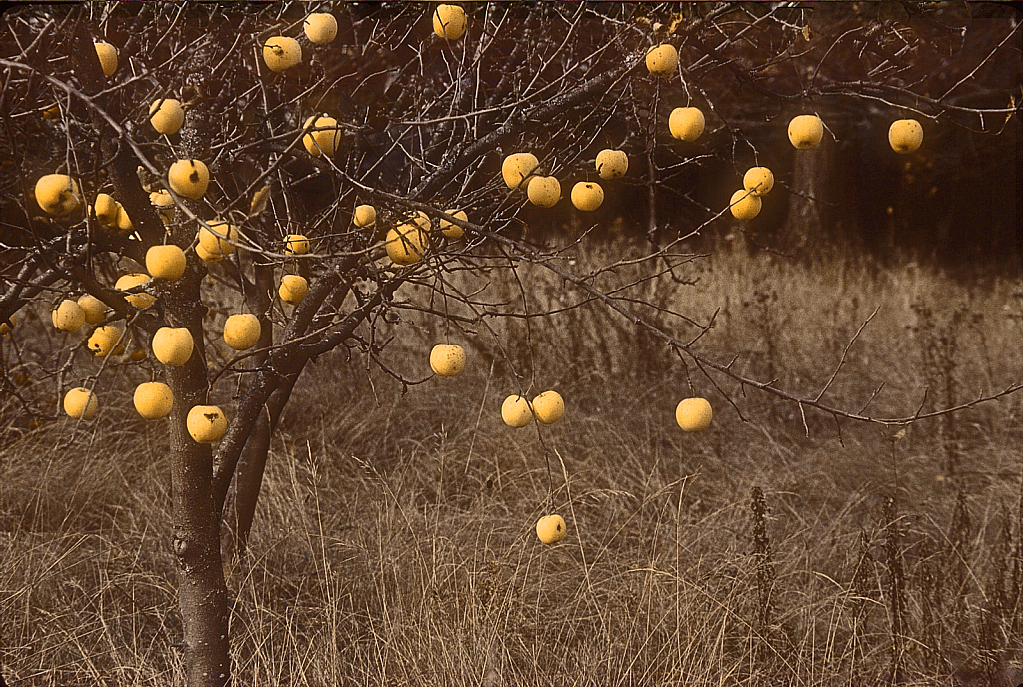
424,124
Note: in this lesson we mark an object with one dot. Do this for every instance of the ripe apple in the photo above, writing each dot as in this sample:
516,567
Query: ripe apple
153,400
447,360
241,332
905,135
80,403
759,180
320,28
544,192
550,529
106,209
587,196
281,52
662,60
58,194
124,224
686,123
164,205
364,216
107,55
105,340
206,256
693,414
449,22
612,164
131,280
515,411
293,288
166,262
166,115
548,407
745,205
325,142
517,168
95,309
296,244
206,424
68,316
173,345
406,244
219,239
450,229
806,131
189,178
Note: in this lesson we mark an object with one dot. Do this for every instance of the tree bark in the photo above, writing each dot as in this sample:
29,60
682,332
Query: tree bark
202,593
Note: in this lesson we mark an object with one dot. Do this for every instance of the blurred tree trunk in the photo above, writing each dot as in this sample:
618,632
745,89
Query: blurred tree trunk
807,230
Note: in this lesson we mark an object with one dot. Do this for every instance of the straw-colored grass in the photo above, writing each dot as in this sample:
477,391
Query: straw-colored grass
394,540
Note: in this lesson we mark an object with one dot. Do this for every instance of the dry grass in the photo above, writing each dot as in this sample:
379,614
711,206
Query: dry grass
394,539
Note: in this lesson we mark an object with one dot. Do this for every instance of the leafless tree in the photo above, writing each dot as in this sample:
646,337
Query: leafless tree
425,123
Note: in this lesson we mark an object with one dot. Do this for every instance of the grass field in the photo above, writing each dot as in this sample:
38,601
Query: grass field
394,542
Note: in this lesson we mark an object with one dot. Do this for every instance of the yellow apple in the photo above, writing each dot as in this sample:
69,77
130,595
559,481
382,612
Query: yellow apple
166,262
206,424
107,55
95,309
406,244
447,360
173,345
130,281
206,256
905,135
517,168
449,22
686,123
219,239
153,400
515,411
124,224
548,407
320,28
693,414
241,332
450,229
806,131
612,164
57,194
662,60
544,192
106,209
745,205
364,216
68,316
166,115
80,403
293,288
281,52
105,340
189,178
296,244
326,141
164,204
587,196
550,529
759,180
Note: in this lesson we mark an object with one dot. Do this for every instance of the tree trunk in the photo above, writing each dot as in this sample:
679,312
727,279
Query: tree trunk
202,593
807,227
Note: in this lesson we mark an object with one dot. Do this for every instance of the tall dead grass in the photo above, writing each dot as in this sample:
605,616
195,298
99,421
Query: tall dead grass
394,539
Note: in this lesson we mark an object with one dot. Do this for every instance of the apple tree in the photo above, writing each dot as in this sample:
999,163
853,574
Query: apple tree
209,197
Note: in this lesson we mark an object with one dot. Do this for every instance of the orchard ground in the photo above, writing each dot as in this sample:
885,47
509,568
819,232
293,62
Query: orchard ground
395,544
